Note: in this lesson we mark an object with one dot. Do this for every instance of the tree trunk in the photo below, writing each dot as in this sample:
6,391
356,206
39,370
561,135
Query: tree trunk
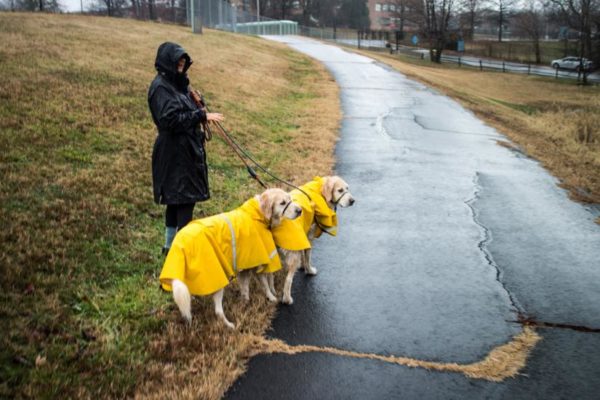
439,49
472,23
402,18
151,11
134,8
41,5
500,23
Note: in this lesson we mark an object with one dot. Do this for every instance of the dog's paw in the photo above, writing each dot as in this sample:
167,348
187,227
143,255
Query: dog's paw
272,298
289,301
312,271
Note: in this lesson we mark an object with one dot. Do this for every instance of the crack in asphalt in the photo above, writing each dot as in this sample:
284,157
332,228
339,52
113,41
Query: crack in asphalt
531,321
386,89
483,243
422,125
379,124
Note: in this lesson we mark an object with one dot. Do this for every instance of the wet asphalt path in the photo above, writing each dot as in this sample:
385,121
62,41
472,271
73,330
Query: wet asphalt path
452,237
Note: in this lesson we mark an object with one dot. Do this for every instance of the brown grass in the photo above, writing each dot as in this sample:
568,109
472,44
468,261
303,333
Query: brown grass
555,122
501,363
80,309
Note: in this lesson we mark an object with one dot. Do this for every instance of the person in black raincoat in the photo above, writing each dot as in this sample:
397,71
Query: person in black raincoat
179,170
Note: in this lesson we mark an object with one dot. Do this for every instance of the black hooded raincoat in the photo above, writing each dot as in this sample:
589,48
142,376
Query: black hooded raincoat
179,171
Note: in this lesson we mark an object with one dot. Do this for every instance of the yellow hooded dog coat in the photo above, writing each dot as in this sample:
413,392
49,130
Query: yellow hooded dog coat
292,234
207,253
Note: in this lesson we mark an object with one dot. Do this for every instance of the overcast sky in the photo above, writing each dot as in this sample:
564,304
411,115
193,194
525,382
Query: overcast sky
73,5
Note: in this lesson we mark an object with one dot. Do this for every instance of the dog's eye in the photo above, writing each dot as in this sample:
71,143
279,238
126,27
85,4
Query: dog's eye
282,203
340,190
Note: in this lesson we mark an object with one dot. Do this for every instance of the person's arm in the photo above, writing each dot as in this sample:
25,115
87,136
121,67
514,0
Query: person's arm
170,115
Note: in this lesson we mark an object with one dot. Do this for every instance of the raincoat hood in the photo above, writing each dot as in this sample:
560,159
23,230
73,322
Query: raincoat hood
207,253
293,234
167,58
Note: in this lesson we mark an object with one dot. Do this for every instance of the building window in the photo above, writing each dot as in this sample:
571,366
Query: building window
377,7
384,8
392,7
296,4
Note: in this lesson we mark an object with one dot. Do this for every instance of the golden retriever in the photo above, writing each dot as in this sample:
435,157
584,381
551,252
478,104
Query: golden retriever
208,253
319,200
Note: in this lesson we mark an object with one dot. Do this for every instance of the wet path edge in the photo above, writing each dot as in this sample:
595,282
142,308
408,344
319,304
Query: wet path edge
414,271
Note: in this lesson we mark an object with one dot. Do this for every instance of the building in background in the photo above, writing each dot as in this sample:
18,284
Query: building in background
391,16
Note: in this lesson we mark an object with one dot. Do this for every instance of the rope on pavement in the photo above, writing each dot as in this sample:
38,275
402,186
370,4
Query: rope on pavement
503,362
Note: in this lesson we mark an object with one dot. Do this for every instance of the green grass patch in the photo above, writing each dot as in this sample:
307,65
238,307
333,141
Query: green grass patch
524,108
82,313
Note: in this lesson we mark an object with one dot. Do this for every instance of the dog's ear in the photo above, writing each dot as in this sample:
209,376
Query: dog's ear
266,204
327,189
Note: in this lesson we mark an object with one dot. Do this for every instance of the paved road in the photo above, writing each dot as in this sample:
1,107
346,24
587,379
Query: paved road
452,237
499,65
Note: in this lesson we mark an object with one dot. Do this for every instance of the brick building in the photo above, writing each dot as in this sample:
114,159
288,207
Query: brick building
385,16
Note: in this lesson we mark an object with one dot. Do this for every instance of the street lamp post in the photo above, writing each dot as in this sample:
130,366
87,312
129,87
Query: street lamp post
336,8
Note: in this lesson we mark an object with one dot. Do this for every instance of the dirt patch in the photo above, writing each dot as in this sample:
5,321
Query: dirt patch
501,363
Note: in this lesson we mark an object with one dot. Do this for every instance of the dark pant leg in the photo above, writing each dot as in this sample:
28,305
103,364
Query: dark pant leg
184,214
171,216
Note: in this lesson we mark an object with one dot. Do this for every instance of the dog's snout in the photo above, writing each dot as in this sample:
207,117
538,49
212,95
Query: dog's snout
298,211
351,201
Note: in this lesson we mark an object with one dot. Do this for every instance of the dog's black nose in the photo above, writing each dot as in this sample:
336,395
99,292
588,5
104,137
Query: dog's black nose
351,201
298,211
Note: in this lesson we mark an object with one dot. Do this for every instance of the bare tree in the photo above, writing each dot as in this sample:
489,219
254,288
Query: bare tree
530,22
502,7
307,8
33,5
471,7
151,9
437,16
578,14
277,9
407,11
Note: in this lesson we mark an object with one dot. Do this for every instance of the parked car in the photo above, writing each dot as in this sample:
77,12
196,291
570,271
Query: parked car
573,63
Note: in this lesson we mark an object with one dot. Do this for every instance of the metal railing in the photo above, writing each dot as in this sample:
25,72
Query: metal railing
486,64
519,68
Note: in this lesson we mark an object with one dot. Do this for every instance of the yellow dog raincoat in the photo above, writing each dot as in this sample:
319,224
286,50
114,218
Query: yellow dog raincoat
207,253
292,234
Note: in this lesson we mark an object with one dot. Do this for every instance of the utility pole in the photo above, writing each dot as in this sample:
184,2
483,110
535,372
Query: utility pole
192,19
258,30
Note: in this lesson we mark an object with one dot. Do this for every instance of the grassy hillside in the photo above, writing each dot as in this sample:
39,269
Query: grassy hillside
556,122
82,314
